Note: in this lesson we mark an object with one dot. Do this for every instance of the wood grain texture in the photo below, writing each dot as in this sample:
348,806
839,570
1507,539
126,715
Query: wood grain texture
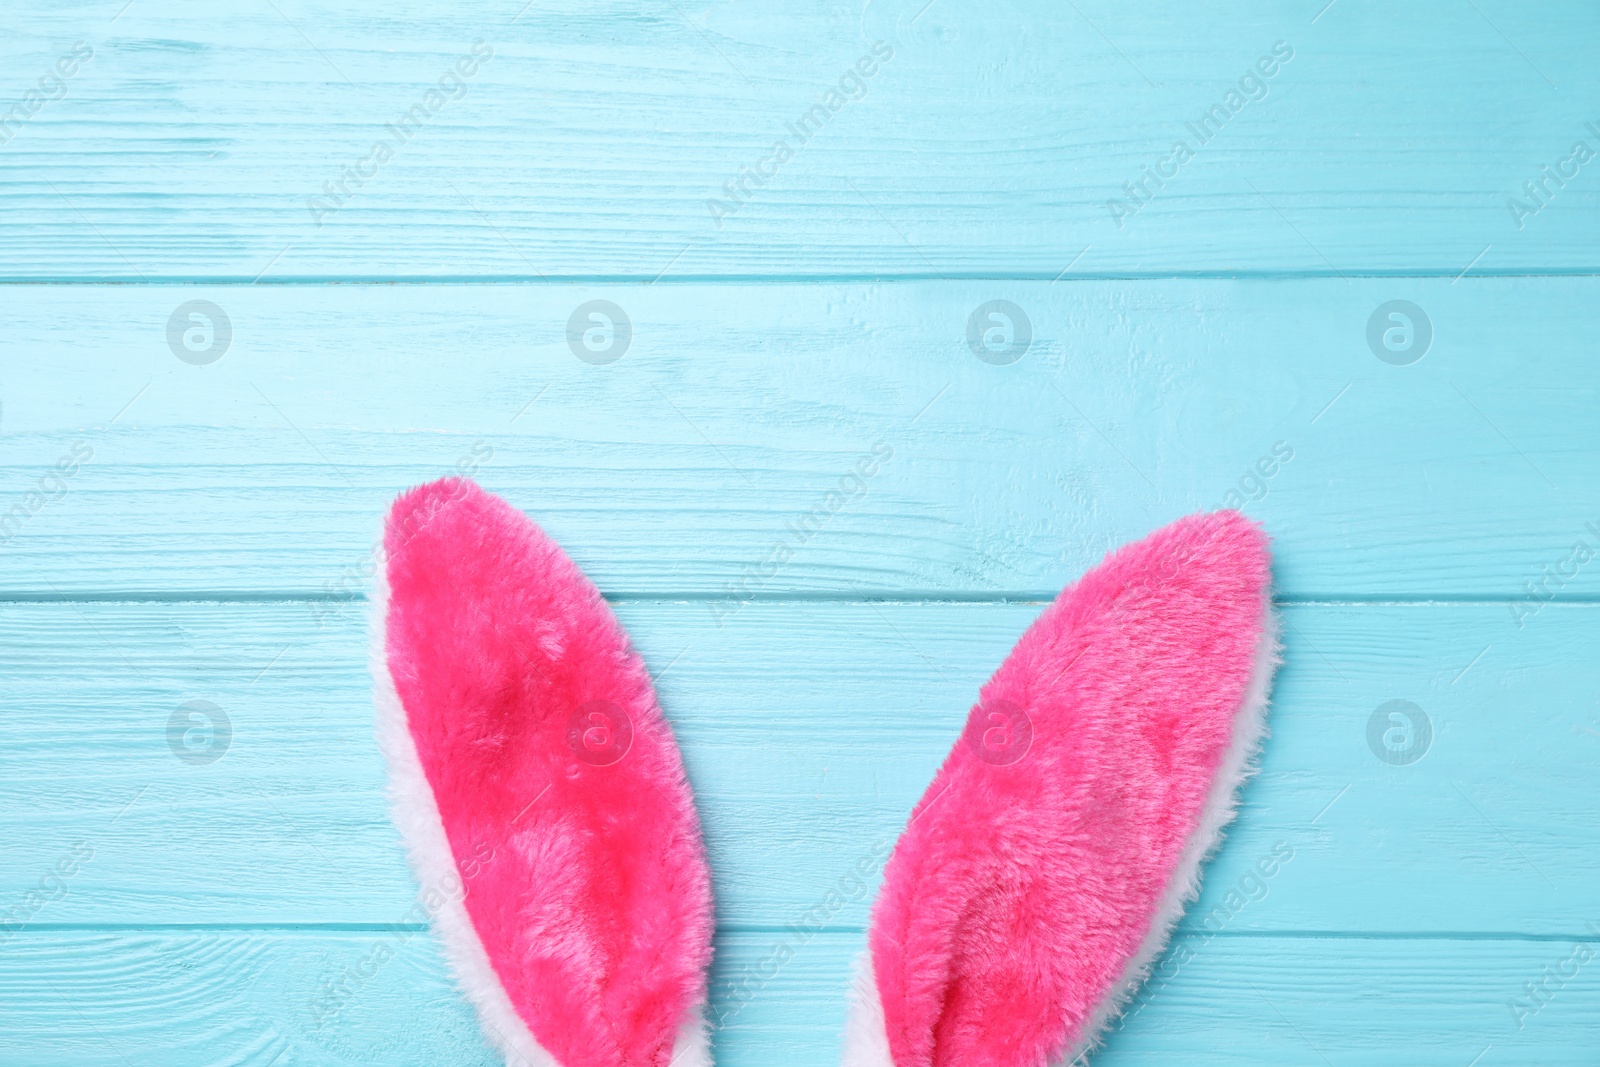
809,730
1203,335
193,143
251,998
690,465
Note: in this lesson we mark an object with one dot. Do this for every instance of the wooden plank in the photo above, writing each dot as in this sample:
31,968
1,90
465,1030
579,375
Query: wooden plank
720,455
85,999
594,140
809,730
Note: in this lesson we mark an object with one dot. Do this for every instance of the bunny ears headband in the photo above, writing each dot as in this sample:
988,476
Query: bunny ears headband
546,812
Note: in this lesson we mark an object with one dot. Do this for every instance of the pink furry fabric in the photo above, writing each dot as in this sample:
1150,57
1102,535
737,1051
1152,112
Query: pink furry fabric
1046,863
557,783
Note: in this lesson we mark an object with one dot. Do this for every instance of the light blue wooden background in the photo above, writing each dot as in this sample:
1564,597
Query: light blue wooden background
210,543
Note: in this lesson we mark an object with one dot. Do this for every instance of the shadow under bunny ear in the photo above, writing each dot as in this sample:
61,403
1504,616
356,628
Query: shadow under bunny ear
539,790
1044,868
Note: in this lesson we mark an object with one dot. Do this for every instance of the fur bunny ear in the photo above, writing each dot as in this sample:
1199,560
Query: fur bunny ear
1044,868
539,790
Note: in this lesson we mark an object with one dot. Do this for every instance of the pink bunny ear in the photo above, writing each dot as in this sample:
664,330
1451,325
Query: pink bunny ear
1044,868
539,790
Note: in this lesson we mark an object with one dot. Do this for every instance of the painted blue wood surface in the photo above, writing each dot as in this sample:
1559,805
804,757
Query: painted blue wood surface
1211,338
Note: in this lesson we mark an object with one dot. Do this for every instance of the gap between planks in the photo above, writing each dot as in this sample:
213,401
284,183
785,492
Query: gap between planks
1183,930
1452,273
1011,597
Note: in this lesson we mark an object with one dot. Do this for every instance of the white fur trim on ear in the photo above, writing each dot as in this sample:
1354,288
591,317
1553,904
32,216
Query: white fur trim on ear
417,815
866,1041
693,1046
